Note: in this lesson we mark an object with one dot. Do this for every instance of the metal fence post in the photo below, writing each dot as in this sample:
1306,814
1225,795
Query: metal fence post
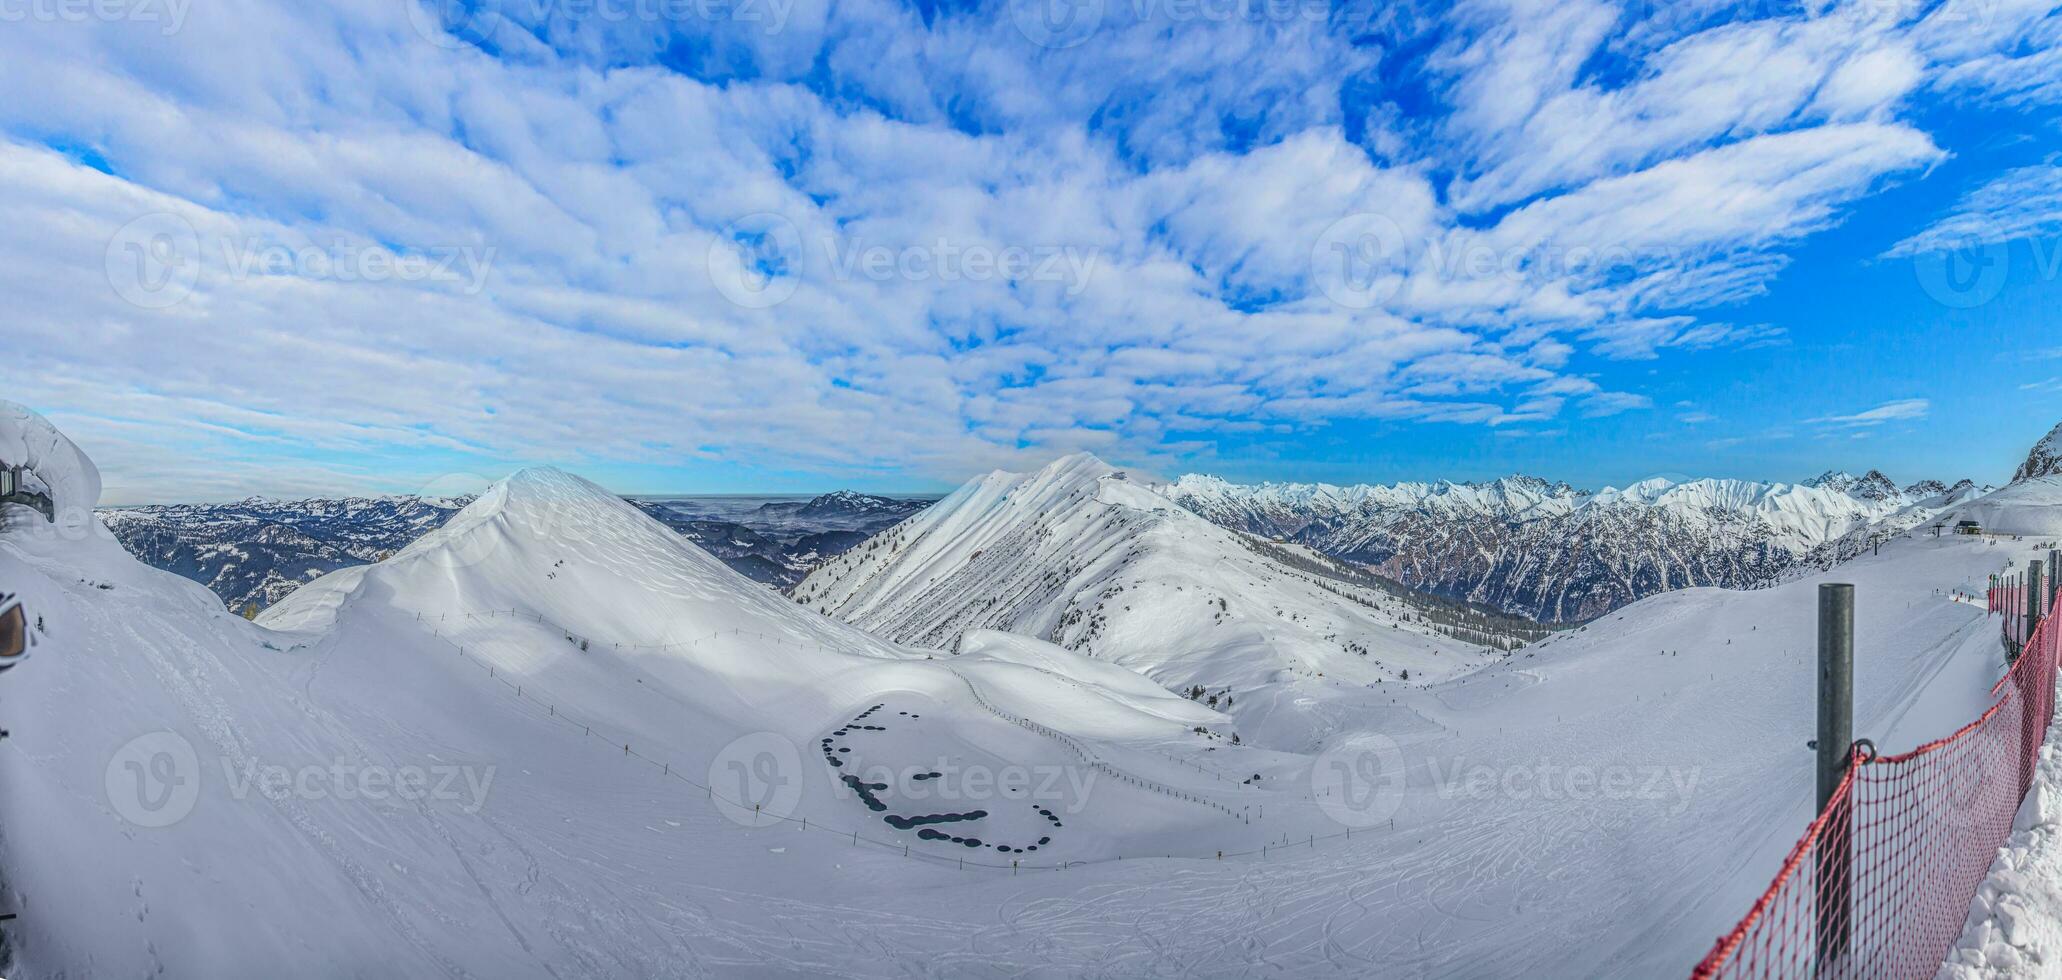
2054,576
1836,744
2034,595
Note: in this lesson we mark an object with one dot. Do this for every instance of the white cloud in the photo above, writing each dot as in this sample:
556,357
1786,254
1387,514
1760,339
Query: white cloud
1608,403
1192,168
1531,124
1902,410
2021,203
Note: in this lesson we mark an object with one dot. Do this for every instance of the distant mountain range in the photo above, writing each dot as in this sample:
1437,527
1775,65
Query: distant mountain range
1557,554
1541,550
779,541
258,551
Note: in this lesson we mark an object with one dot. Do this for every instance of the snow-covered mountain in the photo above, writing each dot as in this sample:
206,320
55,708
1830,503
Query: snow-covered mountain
257,551
1081,554
569,714
848,505
2029,506
1558,554
2044,460
518,748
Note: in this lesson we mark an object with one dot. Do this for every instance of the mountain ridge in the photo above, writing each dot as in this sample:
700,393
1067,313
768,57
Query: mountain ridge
1557,554
1081,554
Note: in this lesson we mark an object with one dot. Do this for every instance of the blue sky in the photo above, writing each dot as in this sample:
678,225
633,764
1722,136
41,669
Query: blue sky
774,245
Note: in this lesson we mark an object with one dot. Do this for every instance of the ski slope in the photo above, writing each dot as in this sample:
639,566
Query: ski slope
2031,507
188,794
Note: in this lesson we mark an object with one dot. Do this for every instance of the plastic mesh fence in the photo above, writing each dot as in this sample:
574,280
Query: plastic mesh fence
1880,884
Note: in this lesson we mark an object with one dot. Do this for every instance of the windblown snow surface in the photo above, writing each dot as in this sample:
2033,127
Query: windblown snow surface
186,794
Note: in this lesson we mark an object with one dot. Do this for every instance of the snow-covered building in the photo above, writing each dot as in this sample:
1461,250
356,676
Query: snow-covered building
16,484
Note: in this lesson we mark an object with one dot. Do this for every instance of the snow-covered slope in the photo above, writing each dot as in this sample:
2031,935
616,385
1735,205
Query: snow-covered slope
2031,505
1555,553
487,757
1080,554
553,677
2032,508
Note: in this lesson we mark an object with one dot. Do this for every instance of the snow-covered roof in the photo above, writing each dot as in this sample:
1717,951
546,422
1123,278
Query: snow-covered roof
55,465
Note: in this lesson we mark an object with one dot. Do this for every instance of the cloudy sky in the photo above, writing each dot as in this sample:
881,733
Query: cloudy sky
761,245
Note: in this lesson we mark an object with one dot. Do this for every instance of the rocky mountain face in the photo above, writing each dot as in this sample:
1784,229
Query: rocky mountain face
2044,460
257,551
1557,554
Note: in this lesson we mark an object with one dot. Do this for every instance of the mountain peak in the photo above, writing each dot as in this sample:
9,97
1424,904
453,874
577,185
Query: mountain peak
2044,460
1081,461
1873,485
851,503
